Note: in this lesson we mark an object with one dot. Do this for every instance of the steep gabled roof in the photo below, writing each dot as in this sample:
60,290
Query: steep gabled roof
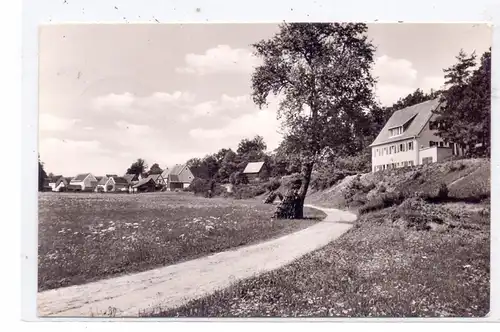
253,167
80,177
129,177
180,173
103,180
414,118
143,182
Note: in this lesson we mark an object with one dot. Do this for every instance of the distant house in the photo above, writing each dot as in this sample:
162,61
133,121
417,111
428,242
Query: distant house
409,138
60,183
116,183
256,171
145,185
83,182
179,177
101,184
159,180
132,178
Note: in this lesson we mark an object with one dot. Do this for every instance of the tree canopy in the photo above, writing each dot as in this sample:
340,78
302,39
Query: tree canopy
155,169
464,118
138,167
41,174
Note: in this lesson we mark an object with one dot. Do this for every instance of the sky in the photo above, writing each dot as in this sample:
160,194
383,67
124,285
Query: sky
112,93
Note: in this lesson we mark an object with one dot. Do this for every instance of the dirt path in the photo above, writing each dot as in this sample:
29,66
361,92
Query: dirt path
172,285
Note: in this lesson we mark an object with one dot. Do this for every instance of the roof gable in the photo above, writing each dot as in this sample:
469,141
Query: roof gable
413,119
253,167
80,177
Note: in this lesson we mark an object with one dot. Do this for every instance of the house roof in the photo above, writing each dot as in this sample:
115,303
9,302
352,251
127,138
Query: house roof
129,177
103,180
120,180
143,182
414,117
63,180
154,176
74,186
80,177
173,178
253,167
111,175
179,173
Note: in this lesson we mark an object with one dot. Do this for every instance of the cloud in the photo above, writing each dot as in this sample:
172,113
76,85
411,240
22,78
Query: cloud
390,93
394,71
262,122
226,106
220,59
114,101
133,129
127,102
49,122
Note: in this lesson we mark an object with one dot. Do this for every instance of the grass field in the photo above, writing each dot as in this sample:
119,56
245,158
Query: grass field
86,237
374,270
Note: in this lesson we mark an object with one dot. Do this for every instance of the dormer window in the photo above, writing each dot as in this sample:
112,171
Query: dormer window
396,131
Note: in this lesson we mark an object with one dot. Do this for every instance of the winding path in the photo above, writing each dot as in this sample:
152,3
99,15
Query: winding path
173,285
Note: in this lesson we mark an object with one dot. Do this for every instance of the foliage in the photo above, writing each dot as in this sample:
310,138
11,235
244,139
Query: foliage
42,175
253,148
138,167
198,186
155,169
464,117
323,73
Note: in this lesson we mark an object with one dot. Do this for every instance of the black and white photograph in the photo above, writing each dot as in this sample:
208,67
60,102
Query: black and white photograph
264,170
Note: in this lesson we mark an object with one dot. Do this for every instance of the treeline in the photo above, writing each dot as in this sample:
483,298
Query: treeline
227,166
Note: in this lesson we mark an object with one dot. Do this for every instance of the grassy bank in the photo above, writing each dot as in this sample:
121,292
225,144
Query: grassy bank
87,237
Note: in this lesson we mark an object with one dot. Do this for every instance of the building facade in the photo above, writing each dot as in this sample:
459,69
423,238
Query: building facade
410,138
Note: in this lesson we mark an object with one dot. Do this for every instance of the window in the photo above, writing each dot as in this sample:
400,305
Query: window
431,143
396,131
441,144
402,147
385,150
410,146
426,160
411,162
405,164
433,125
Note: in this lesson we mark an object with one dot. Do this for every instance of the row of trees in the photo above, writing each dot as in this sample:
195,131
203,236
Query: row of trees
139,167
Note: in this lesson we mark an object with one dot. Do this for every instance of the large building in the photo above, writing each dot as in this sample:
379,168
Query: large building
409,138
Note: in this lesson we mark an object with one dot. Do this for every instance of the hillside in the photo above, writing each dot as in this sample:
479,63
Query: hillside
466,180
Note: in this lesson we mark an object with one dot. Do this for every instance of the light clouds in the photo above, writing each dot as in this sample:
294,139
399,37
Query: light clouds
49,122
398,77
220,59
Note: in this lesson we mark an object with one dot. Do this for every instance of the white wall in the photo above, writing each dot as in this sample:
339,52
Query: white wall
426,153
383,158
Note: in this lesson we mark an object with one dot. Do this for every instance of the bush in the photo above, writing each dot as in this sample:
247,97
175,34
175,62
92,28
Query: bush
382,201
198,186
273,185
442,192
382,189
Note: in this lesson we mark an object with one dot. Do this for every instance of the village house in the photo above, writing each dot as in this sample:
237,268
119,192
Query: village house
179,177
147,184
59,183
409,138
116,183
256,171
83,182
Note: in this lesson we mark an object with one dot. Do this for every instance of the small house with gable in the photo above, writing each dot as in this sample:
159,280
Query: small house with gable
256,171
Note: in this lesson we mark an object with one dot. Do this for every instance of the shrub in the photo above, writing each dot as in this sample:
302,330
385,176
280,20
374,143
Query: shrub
273,185
198,186
442,191
382,189
382,201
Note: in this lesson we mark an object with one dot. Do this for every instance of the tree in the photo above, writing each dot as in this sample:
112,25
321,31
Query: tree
256,145
42,175
138,167
464,117
323,73
155,169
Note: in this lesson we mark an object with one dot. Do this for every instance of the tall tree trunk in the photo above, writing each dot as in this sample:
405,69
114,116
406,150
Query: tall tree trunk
306,173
